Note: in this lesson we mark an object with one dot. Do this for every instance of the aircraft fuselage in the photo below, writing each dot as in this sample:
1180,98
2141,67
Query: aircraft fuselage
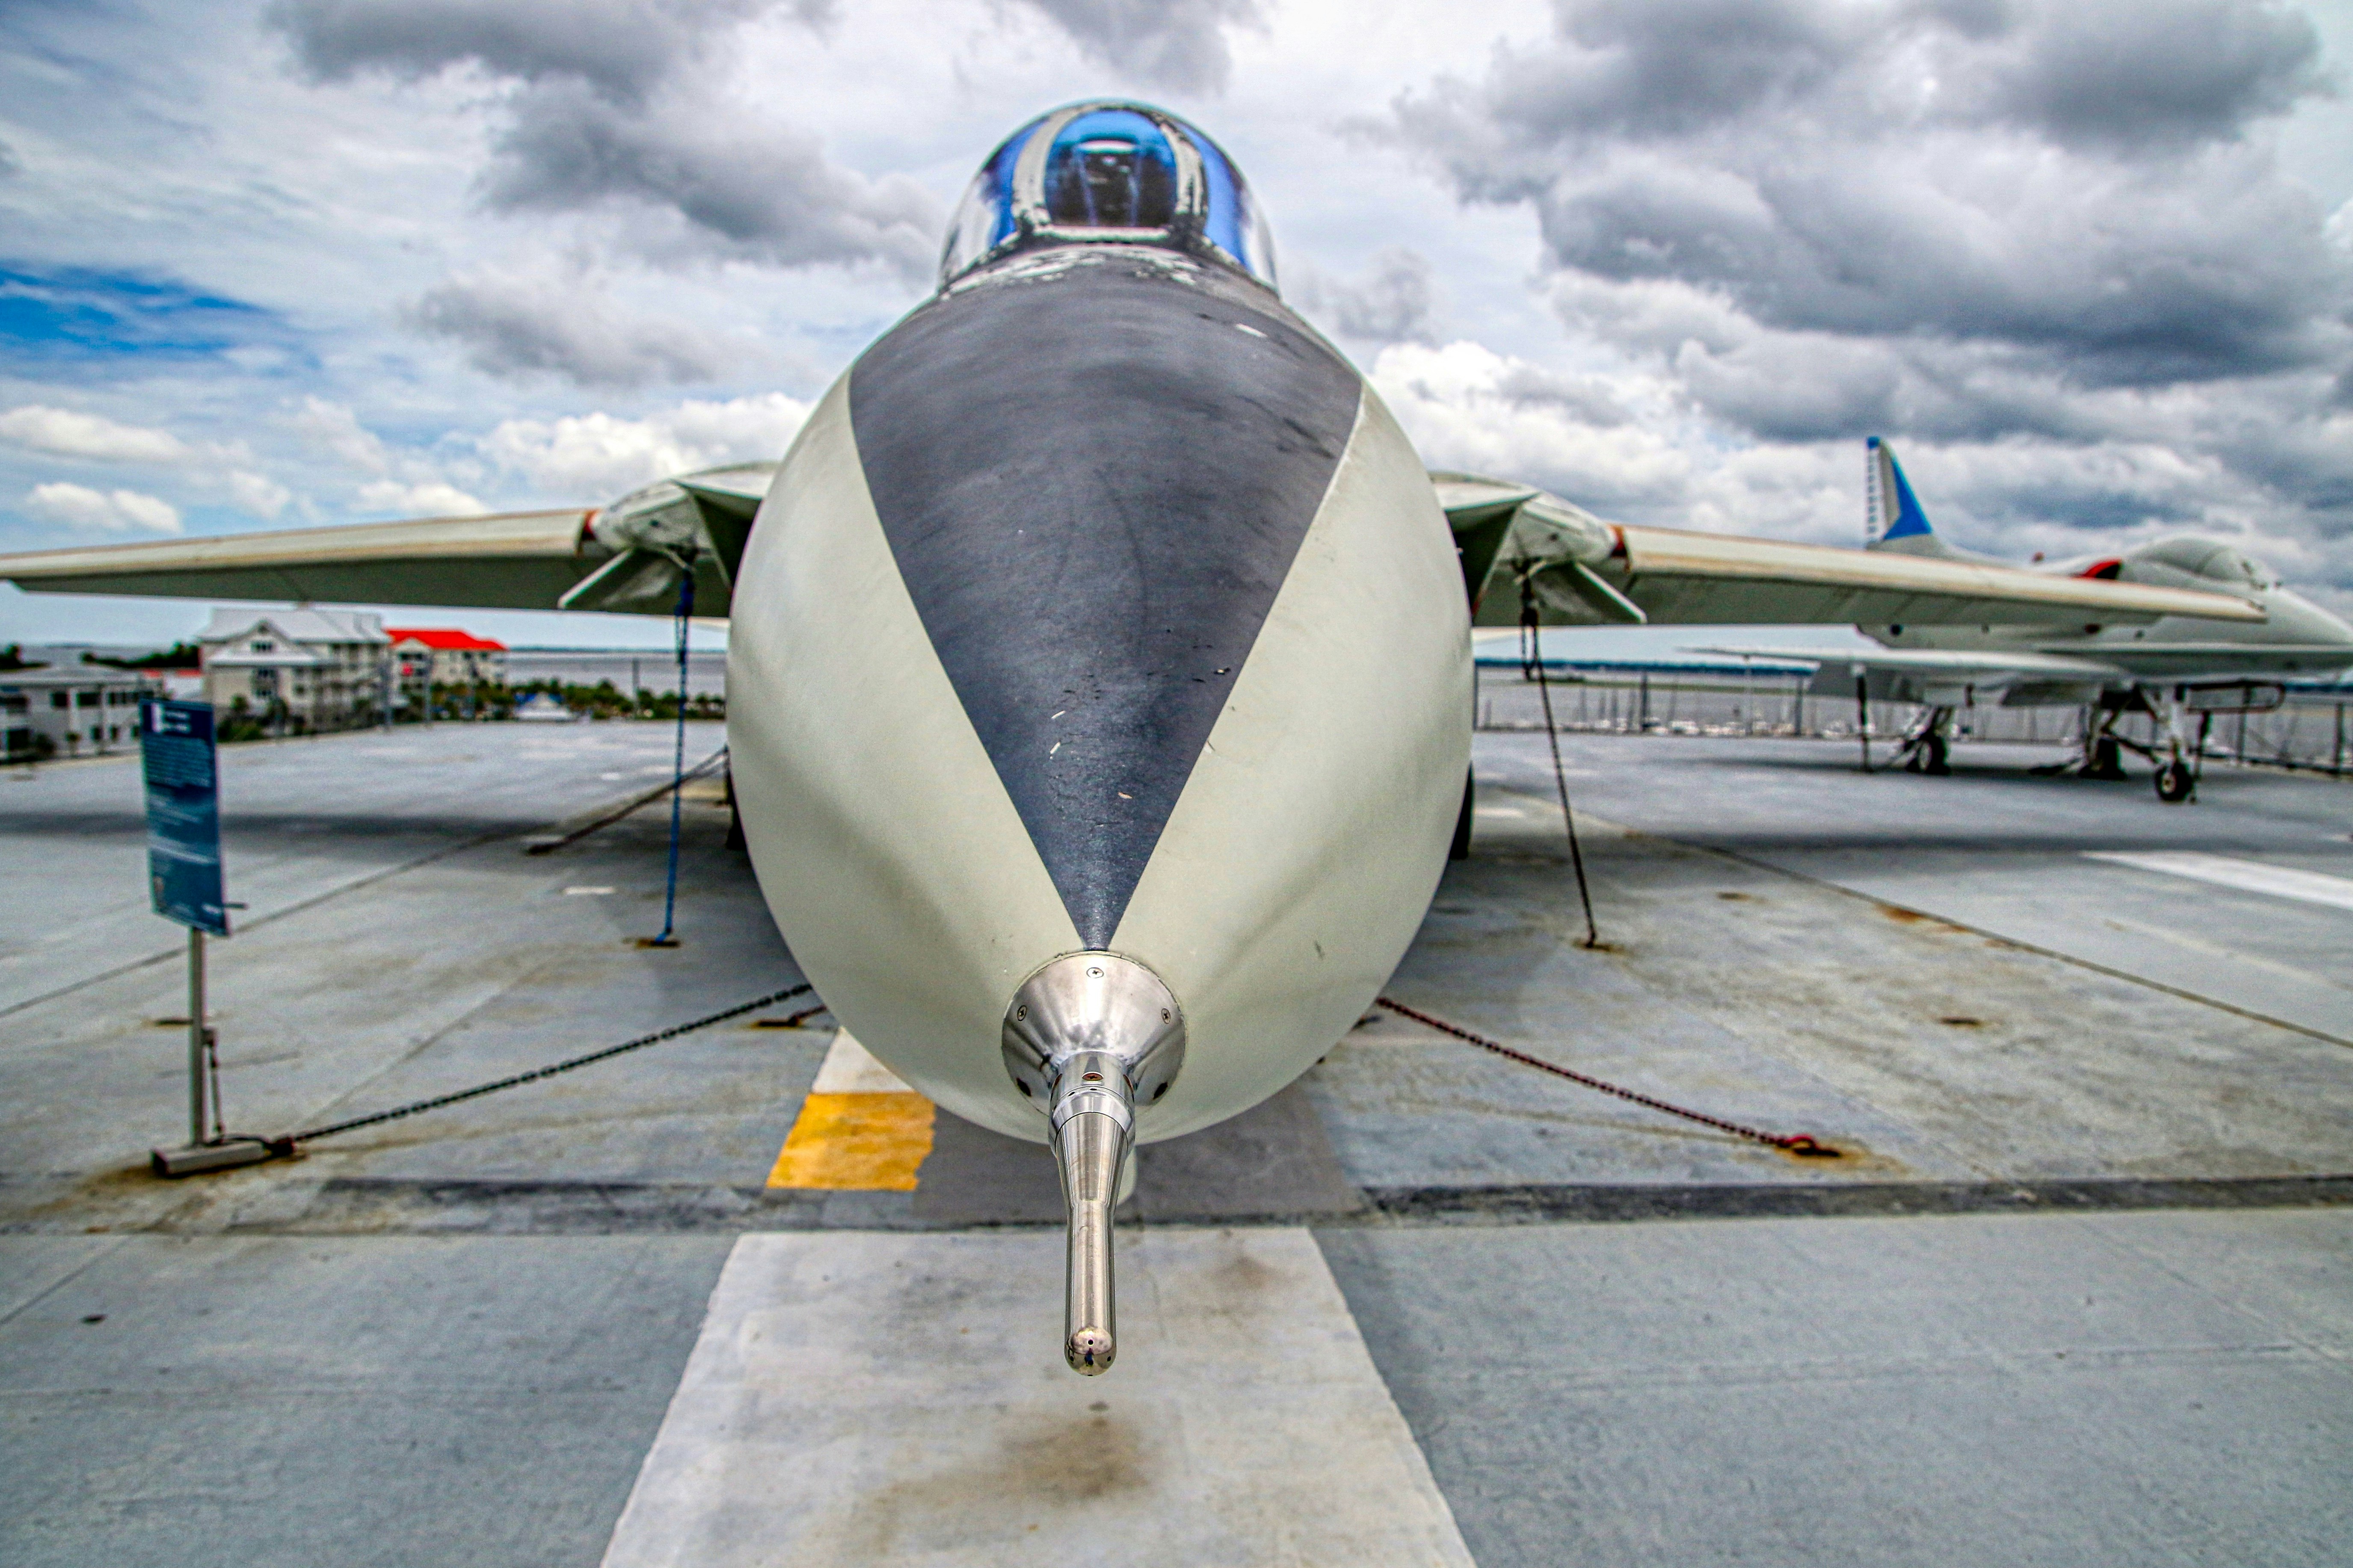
2296,638
1101,607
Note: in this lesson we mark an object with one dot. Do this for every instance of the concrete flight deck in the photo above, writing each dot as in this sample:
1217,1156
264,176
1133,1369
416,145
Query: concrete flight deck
2078,1290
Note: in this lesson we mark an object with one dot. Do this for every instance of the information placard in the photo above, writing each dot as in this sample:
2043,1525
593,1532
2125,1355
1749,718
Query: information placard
183,847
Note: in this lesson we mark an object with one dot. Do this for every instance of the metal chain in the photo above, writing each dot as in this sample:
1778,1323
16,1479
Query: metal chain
1795,1144
285,1145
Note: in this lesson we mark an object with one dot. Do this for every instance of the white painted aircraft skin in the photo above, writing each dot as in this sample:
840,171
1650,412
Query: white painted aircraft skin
1291,876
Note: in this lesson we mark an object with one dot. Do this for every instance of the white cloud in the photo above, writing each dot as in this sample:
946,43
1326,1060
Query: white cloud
94,438
261,496
110,511
66,433
333,430
403,483
1469,407
2339,229
598,456
430,498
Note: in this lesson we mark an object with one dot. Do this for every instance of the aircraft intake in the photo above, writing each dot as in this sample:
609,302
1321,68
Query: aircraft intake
1089,1037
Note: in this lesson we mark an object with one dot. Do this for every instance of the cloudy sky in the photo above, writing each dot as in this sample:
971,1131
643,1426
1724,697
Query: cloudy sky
2089,264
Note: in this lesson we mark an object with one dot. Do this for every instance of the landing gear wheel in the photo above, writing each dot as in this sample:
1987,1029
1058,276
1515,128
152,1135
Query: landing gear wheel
2107,759
1932,756
1460,849
2174,783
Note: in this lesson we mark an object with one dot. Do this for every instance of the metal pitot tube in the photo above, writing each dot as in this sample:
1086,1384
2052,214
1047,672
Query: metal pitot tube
1091,1038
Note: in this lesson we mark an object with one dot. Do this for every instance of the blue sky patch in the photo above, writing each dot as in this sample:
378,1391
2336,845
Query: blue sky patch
78,316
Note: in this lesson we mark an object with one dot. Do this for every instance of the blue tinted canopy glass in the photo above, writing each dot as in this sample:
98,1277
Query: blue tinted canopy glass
1109,172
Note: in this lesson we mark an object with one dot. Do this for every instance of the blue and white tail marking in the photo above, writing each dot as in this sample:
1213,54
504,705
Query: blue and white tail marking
1893,511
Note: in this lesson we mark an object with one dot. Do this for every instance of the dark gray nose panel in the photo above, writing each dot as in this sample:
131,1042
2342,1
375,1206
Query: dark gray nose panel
1094,481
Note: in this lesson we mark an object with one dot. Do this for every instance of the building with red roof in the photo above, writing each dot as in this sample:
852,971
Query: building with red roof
446,655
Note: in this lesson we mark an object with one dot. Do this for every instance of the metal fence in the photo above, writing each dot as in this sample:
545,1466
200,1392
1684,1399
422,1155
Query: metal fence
2311,730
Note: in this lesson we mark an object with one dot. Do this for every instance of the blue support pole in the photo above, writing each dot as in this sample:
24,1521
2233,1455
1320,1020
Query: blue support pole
677,761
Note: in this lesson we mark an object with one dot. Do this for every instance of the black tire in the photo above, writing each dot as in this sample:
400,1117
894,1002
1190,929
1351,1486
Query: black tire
1934,754
2174,783
2107,759
1460,849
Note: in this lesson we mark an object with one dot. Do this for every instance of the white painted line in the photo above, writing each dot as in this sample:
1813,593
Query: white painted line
851,1069
587,892
876,1397
2249,876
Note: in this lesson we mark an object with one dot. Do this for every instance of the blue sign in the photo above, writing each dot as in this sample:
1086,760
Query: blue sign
183,847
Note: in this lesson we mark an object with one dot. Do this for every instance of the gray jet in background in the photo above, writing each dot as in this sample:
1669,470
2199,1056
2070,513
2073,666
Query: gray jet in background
2167,668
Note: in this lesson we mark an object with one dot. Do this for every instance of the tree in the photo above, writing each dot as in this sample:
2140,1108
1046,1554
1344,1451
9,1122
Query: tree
179,655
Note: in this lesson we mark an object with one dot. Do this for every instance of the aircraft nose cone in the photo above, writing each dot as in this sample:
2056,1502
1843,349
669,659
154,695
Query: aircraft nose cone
1094,472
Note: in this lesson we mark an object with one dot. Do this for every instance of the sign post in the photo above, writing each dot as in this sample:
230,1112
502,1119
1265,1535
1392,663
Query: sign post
181,765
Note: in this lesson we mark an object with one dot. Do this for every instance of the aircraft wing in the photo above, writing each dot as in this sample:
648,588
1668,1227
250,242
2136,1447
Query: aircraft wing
1957,663
627,556
525,561
1519,544
1950,677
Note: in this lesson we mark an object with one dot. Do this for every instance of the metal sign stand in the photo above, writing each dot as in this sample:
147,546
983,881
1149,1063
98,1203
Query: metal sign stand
184,876
200,1036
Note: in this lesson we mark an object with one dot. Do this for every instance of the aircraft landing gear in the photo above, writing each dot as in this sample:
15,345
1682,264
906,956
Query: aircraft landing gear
2177,781
2102,754
1929,756
1926,750
2106,760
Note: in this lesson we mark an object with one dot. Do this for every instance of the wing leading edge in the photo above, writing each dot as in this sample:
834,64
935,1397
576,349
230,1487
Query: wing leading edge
628,557
1522,547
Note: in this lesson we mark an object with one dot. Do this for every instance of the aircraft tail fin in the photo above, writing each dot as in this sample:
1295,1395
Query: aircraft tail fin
1893,518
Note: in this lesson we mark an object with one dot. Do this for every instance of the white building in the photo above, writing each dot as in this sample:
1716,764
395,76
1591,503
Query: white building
312,668
78,710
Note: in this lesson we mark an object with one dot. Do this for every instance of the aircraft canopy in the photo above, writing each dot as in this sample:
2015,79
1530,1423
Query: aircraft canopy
1123,172
2211,559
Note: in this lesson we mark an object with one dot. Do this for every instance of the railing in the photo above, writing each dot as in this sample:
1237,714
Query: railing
2312,732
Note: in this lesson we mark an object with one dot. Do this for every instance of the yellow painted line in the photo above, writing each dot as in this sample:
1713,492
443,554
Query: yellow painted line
862,1129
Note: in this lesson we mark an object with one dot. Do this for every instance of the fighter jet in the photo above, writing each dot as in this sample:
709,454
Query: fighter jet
2105,667
1099,667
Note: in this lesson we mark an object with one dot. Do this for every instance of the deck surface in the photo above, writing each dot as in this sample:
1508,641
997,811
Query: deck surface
2077,1290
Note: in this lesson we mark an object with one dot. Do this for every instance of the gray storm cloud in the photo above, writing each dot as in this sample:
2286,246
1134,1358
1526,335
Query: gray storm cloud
623,48
515,327
1974,221
1392,301
1178,44
613,103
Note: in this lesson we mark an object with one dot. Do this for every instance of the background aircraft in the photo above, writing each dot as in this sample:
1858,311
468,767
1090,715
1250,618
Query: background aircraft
2108,667
1099,665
